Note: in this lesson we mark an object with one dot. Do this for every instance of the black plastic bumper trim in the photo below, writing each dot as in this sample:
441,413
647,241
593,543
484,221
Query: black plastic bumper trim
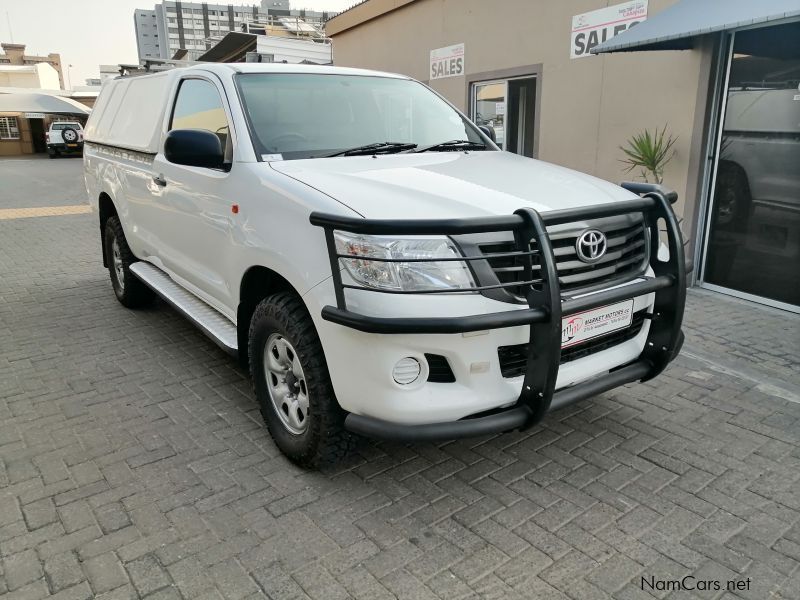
508,420
517,417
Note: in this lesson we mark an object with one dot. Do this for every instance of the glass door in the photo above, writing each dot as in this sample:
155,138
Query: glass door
508,107
753,229
489,108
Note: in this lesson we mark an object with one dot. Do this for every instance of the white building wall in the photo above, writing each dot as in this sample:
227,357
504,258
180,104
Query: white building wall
39,76
293,51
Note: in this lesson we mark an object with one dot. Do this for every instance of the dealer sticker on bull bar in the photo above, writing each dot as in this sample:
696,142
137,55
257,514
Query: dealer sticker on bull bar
584,326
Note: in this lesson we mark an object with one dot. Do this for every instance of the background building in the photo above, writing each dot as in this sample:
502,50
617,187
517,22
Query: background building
722,75
38,76
31,98
14,54
173,26
251,47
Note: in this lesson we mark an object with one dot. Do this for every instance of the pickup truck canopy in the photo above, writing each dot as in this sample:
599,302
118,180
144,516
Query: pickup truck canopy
129,112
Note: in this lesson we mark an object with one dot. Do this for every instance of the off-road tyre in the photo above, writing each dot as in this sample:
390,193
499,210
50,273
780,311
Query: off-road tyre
732,191
129,290
324,440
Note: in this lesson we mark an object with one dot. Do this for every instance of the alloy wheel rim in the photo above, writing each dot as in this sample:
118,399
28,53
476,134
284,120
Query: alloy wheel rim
119,270
286,383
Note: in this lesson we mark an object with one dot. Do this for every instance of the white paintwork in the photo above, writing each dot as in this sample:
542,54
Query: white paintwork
128,112
189,230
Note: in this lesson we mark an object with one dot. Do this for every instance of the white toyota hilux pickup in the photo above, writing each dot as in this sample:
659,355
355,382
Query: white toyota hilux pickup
380,264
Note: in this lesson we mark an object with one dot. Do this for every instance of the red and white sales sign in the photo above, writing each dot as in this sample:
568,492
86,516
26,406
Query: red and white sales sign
593,28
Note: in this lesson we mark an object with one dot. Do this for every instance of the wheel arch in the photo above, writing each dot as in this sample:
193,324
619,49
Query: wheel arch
727,165
730,169
257,283
106,209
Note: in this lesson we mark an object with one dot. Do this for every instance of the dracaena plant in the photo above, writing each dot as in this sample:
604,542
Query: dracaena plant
649,153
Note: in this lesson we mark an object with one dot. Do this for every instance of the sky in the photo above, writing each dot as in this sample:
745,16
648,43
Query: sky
88,33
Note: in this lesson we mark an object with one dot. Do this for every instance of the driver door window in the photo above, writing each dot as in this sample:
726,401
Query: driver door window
199,106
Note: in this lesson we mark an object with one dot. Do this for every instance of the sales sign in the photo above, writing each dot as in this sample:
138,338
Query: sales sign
598,26
447,62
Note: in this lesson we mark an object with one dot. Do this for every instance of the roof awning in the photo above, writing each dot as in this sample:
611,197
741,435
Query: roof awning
41,103
675,27
231,48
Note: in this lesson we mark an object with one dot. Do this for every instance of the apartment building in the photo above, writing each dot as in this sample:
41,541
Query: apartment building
172,26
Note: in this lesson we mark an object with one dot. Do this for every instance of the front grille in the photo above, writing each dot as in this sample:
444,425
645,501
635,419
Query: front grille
513,359
625,258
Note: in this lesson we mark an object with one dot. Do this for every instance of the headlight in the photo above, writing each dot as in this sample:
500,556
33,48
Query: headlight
403,276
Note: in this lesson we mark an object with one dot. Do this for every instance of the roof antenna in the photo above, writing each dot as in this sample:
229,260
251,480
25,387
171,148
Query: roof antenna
10,33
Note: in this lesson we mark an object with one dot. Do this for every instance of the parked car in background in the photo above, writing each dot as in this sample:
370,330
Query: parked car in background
64,137
758,170
381,266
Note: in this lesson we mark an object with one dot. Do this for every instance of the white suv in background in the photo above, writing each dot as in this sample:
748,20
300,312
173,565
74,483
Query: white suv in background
64,137
379,263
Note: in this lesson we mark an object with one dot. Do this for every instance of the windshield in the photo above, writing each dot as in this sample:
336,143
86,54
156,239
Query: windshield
313,115
58,126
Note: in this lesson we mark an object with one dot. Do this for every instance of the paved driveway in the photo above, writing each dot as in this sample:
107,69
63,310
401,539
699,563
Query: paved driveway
133,461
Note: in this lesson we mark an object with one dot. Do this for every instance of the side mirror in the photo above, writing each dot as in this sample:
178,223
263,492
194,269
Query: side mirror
489,131
194,148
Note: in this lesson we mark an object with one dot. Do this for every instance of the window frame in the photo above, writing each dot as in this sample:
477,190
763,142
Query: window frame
7,121
231,142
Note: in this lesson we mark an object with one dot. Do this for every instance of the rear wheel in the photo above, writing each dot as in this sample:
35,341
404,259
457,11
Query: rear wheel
130,291
292,384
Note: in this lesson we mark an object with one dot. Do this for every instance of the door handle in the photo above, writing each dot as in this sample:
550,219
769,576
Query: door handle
159,180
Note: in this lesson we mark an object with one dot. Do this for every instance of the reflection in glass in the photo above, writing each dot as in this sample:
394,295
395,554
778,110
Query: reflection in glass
490,108
754,240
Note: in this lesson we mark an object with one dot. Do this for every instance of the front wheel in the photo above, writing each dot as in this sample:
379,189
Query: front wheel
292,384
130,291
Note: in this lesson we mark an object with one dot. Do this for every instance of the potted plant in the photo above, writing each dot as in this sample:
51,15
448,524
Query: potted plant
650,153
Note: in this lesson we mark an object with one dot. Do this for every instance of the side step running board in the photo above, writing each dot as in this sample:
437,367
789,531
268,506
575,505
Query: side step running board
208,319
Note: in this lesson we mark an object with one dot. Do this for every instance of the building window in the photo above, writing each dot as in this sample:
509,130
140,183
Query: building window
9,130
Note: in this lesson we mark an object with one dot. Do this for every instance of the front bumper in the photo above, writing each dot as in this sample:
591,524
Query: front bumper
546,307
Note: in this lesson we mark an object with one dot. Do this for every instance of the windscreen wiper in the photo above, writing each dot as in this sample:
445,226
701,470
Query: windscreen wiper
372,149
453,145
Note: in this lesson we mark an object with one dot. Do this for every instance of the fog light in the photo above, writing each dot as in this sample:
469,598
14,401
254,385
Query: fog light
406,370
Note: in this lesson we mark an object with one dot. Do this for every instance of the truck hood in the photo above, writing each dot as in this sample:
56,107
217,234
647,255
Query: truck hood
449,184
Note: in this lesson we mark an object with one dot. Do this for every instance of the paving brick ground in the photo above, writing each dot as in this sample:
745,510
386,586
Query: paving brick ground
133,461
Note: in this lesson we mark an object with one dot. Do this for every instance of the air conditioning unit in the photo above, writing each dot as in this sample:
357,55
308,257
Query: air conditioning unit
255,57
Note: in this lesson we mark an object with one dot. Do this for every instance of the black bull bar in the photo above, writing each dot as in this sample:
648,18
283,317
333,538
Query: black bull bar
543,314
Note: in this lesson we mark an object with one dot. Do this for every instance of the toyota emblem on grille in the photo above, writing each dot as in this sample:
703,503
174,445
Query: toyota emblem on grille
591,245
